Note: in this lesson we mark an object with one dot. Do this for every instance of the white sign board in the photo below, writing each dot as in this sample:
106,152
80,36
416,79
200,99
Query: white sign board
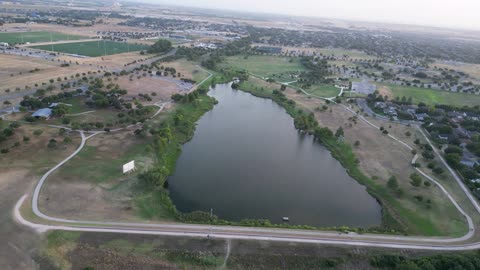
130,166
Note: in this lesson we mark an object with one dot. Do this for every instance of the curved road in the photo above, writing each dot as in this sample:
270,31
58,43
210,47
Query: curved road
231,232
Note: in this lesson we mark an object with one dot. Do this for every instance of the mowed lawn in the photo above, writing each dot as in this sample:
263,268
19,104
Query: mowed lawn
32,37
431,96
93,48
265,66
322,90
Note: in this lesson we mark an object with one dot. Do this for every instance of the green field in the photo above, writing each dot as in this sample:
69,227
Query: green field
266,66
23,37
322,90
431,97
93,48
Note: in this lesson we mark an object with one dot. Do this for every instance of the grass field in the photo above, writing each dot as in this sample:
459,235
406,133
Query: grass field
32,37
322,90
265,66
93,48
431,97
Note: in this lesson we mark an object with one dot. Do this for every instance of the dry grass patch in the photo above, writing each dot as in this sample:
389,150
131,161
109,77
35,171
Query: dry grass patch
91,185
148,85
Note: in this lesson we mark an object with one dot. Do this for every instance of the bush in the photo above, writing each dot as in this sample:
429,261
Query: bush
438,170
392,183
416,179
37,132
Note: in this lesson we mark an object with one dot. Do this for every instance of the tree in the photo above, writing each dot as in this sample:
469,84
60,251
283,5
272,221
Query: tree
357,143
416,180
438,170
161,46
453,160
392,183
339,133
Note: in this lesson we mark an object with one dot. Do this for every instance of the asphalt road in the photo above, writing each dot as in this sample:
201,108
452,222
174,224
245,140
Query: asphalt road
251,233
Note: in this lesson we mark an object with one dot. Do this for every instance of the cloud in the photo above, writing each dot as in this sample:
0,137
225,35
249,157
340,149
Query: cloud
449,13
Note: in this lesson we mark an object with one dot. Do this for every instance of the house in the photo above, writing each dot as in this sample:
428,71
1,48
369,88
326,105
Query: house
380,105
473,116
456,115
443,137
391,111
462,133
44,113
469,163
421,116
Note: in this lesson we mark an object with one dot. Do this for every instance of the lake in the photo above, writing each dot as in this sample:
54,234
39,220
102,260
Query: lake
247,160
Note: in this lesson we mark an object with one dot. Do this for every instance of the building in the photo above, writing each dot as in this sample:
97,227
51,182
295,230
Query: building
421,116
44,113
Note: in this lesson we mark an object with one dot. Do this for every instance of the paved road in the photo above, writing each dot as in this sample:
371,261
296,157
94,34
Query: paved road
175,229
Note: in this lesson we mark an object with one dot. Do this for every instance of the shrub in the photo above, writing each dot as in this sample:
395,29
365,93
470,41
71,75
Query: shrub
416,179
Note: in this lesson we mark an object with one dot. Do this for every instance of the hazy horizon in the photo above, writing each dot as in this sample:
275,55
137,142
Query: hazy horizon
440,13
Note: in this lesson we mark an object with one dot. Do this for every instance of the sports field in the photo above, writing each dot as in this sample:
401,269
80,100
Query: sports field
93,48
32,37
266,66
431,96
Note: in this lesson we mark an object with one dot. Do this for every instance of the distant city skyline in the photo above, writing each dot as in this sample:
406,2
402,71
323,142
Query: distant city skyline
442,13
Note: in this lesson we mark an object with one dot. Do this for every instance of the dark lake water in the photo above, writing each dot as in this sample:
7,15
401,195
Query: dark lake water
246,160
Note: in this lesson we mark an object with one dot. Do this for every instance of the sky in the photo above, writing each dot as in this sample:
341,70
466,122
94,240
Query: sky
446,13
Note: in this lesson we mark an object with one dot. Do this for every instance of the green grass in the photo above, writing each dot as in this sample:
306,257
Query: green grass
78,105
57,238
93,48
23,37
432,97
265,66
322,90
97,166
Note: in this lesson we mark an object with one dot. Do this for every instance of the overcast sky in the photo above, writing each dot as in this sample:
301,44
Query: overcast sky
450,13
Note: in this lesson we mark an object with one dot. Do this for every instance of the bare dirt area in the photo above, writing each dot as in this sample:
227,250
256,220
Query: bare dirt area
115,62
20,169
471,69
188,70
385,91
163,87
91,186
11,64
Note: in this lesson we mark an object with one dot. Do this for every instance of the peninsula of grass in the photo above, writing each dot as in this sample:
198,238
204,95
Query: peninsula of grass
93,48
13,38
